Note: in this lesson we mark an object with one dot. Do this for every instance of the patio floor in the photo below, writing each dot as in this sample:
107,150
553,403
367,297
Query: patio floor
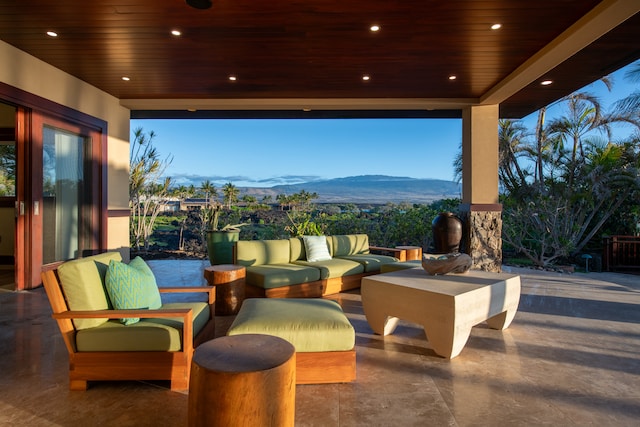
570,357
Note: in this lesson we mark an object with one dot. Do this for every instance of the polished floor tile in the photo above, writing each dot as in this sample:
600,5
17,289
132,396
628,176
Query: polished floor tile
570,357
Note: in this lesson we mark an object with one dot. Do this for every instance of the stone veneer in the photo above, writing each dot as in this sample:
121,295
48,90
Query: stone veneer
482,239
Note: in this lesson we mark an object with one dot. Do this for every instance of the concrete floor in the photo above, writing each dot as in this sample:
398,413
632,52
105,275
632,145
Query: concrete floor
570,357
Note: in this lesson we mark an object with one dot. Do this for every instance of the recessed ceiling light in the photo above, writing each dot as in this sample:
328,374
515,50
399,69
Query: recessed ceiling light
546,82
496,26
125,78
52,34
306,109
176,32
374,28
453,77
233,78
191,110
199,4
366,78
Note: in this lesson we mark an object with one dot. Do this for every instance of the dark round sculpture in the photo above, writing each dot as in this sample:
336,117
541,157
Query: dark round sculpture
447,233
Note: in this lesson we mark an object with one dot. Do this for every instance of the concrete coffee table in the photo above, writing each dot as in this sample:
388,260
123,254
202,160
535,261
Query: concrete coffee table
446,306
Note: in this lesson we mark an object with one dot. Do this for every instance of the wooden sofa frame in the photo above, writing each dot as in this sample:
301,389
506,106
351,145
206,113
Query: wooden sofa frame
318,288
128,365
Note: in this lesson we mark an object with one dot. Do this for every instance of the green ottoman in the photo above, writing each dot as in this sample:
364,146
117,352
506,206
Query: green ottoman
322,335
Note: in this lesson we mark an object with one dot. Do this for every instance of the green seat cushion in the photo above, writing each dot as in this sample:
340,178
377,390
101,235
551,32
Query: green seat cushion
372,263
201,315
335,267
163,334
83,283
278,275
311,325
400,265
132,286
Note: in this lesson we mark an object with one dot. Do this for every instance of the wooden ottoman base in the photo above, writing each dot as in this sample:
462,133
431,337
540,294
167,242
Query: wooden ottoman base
325,367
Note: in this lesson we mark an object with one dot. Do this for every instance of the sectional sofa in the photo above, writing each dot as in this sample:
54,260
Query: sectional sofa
286,268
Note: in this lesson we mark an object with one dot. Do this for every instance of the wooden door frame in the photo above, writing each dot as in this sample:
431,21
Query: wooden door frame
31,111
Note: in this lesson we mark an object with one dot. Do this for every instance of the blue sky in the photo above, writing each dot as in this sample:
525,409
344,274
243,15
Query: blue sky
267,152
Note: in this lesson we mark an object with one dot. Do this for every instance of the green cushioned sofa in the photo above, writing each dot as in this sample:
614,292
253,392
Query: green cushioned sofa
279,268
158,347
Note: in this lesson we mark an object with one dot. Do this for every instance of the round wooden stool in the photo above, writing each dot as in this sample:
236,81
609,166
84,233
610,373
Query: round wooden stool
243,380
413,252
229,282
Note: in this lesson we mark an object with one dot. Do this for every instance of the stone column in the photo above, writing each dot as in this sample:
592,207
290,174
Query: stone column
480,211
482,235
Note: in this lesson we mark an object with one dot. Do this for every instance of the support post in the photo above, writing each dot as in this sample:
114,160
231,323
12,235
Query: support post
480,211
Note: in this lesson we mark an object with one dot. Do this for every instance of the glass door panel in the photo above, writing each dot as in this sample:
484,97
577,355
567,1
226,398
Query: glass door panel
63,200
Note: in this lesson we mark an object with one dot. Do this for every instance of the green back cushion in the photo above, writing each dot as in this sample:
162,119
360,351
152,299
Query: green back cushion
296,249
309,324
132,286
261,252
83,283
350,244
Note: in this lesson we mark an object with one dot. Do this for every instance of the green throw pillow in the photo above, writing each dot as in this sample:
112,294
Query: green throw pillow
132,286
83,283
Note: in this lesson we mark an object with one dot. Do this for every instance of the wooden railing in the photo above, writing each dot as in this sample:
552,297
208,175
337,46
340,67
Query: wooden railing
621,253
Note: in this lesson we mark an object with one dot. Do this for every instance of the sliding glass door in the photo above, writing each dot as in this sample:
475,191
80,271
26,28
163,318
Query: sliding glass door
66,213
55,159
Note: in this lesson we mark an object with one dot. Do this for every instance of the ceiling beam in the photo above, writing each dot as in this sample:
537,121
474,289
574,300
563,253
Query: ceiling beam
299,104
600,20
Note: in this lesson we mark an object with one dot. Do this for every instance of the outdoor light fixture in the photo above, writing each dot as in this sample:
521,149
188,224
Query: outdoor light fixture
199,4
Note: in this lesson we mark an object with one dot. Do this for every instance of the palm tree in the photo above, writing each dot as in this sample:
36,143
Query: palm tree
304,198
250,200
631,104
294,201
512,146
585,118
209,190
282,200
230,194
192,190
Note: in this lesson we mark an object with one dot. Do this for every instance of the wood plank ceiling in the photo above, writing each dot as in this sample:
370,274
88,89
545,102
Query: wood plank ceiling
318,49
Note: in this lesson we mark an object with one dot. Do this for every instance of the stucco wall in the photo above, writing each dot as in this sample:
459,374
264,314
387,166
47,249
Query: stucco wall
27,73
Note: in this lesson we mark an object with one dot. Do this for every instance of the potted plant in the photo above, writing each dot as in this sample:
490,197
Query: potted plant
220,240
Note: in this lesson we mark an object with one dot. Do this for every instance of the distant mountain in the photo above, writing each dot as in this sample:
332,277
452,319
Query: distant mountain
368,189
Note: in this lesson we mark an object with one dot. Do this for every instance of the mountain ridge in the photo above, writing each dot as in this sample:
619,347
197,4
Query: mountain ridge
367,189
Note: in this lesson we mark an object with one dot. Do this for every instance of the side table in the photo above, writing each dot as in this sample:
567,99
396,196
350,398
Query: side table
243,380
229,282
413,252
